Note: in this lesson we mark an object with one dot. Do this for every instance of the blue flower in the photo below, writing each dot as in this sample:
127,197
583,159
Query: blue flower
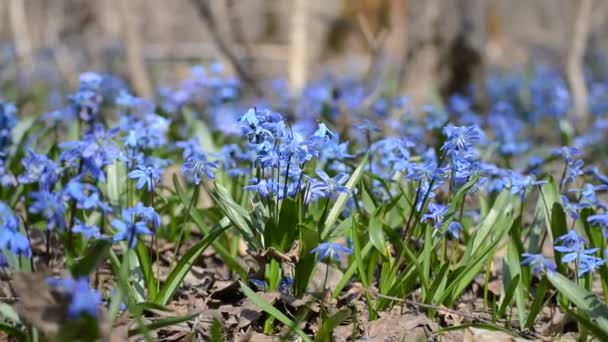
589,263
455,228
196,167
39,168
262,187
89,232
573,247
331,250
461,138
435,214
327,186
519,184
191,147
8,120
83,299
145,175
129,228
51,206
538,262
147,214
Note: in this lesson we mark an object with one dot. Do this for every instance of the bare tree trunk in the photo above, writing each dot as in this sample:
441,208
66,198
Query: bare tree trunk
298,48
131,13
204,12
21,35
574,68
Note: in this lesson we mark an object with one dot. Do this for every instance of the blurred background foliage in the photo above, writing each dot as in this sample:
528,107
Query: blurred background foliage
421,48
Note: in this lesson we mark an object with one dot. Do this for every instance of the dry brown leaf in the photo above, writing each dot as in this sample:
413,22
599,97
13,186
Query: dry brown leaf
250,312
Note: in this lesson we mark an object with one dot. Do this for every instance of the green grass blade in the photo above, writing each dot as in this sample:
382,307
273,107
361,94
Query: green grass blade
162,323
329,324
185,263
508,296
350,271
537,304
271,310
590,325
12,331
583,299
217,333
338,206
95,254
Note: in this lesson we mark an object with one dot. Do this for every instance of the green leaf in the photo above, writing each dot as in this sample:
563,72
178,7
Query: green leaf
329,324
236,214
338,206
95,254
539,300
217,333
15,332
376,236
185,263
512,272
195,214
271,310
350,271
162,323
590,325
508,296
583,299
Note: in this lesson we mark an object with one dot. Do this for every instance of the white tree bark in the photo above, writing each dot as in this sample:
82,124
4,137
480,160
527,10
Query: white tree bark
298,48
574,69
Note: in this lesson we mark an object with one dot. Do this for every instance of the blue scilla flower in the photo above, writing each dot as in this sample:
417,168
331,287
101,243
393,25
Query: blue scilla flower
10,237
97,148
39,169
569,154
573,247
461,138
235,161
83,299
146,176
538,262
3,260
50,205
198,166
86,196
190,147
262,187
86,102
454,229
435,214
147,214
327,186
323,133
519,184
8,120
7,179
88,232
331,250
8,220
129,228
589,263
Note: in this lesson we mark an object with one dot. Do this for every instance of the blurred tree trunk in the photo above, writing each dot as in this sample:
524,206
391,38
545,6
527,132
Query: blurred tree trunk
298,48
574,68
131,14
21,34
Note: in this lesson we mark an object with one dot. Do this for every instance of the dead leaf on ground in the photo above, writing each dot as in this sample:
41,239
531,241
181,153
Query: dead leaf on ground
406,327
482,335
46,308
250,312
